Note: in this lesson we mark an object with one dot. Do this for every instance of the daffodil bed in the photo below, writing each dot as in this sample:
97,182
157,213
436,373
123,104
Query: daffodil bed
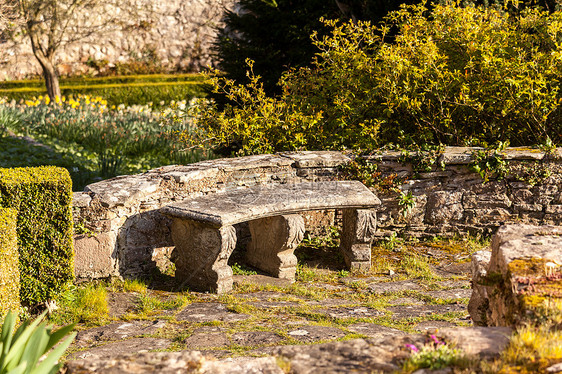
90,138
130,90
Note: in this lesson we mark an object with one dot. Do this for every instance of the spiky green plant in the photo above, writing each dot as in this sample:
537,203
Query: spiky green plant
20,351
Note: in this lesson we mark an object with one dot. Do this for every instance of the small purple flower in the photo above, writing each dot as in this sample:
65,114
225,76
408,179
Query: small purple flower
412,347
435,340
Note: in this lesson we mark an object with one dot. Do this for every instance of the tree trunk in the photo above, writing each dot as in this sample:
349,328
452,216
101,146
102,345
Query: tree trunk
45,58
51,77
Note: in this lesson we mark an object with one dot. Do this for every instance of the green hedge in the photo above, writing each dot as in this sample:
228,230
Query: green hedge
128,90
43,198
9,274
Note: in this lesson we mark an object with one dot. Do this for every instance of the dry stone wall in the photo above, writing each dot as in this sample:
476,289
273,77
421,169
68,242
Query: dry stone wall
127,235
177,33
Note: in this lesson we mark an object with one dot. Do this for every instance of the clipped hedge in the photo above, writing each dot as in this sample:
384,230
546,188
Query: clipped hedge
43,198
9,274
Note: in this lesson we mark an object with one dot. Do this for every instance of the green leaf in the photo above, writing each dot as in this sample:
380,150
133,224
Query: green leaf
20,369
56,336
48,365
36,346
17,349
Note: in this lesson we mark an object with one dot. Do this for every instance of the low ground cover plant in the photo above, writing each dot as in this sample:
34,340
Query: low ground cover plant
100,139
446,75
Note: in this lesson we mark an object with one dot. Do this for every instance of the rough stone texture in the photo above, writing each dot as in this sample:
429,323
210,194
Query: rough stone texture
243,204
524,269
207,340
479,304
255,338
410,311
316,333
111,208
357,356
384,287
179,34
189,362
374,331
351,312
94,256
485,342
359,227
113,349
117,331
208,312
201,255
274,240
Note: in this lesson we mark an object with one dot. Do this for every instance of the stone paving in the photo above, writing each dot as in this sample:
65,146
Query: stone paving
341,315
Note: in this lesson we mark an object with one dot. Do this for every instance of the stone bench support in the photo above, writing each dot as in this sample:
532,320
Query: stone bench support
274,240
202,253
359,226
204,236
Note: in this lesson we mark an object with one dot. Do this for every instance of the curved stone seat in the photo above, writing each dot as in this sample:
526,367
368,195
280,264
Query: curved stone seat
204,236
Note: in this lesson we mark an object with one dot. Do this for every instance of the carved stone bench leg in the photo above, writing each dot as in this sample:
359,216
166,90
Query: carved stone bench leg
201,255
359,226
274,240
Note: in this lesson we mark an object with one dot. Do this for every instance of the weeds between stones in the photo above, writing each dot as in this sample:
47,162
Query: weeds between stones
326,299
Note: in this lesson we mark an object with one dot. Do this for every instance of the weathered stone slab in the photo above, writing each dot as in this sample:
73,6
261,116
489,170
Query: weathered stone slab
187,362
242,365
426,326
207,340
384,287
95,256
374,331
351,312
121,303
315,333
117,331
352,356
403,311
129,346
208,312
485,342
255,338
261,280
143,363
453,294
525,271
316,158
240,205
123,190
478,305
458,155
81,199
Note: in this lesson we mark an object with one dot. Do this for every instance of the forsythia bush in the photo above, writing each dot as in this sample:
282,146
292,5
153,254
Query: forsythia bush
451,75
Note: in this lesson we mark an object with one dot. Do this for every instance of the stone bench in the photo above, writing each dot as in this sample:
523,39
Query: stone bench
204,236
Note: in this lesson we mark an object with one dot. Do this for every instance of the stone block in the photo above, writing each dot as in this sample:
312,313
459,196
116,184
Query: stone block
479,304
525,274
95,256
443,207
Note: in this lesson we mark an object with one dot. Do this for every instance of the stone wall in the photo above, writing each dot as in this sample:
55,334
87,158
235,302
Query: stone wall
127,235
179,33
